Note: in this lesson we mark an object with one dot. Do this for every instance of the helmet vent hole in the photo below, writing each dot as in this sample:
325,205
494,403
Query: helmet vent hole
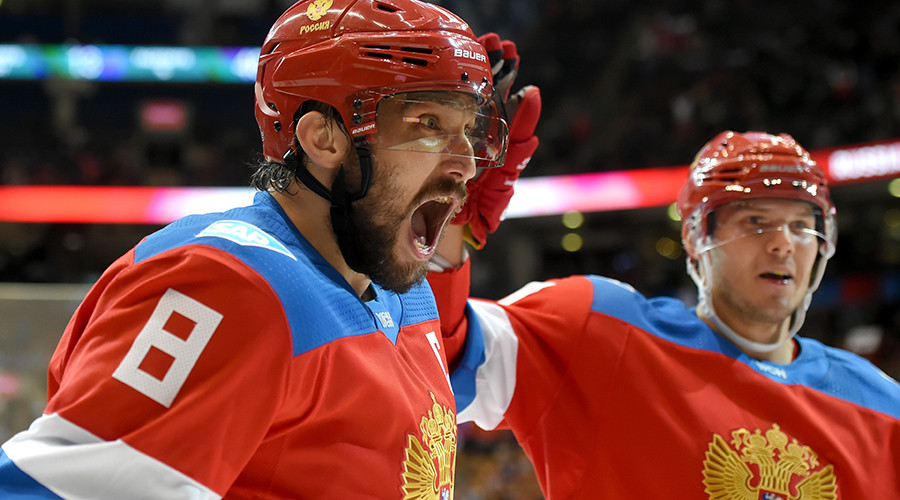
416,50
727,175
388,53
386,7
376,51
417,62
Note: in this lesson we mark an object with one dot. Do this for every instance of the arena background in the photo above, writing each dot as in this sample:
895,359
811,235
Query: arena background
626,86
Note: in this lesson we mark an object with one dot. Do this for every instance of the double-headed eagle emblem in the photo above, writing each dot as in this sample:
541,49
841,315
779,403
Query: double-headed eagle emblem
766,466
317,9
428,469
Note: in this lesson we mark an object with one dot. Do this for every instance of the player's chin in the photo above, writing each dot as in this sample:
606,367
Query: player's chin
403,274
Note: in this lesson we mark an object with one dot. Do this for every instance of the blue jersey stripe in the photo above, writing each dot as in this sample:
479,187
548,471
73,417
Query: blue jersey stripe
16,485
463,377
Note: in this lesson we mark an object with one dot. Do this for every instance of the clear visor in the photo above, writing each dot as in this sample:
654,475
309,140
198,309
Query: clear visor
799,236
759,221
442,122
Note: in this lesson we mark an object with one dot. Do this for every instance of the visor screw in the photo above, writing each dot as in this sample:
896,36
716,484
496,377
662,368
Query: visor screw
464,77
356,119
357,104
277,126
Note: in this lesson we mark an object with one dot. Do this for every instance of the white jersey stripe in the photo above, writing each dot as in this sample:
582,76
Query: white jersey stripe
76,465
495,380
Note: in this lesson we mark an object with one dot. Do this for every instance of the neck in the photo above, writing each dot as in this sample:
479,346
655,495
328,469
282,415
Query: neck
765,344
311,215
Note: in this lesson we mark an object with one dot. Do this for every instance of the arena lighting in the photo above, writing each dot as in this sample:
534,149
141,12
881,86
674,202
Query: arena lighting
129,63
535,196
113,204
862,162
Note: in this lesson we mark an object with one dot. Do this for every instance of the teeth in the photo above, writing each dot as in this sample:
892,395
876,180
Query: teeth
420,242
785,277
443,199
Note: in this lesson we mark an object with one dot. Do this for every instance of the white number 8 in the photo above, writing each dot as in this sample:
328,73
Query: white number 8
185,352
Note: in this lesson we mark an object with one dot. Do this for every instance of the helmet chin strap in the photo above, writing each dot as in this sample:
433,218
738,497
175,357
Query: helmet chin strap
341,200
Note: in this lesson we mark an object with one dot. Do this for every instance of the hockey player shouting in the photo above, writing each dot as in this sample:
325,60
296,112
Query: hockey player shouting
290,349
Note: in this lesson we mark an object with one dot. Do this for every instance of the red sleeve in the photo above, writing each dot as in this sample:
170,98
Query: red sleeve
171,355
451,290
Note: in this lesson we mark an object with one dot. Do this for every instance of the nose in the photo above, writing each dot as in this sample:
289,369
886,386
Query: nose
781,240
460,161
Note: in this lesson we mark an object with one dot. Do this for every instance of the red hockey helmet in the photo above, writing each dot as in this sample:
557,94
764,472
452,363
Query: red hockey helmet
737,166
352,53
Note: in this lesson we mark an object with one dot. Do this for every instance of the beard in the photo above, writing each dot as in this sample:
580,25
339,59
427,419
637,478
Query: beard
374,223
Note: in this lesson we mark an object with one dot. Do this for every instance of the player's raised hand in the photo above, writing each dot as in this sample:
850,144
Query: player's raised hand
490,192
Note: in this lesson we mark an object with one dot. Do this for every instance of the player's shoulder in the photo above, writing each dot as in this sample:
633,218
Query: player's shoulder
589,293
569,291
601,293
257,246
616,298
259,237
849,376
851,365
241,231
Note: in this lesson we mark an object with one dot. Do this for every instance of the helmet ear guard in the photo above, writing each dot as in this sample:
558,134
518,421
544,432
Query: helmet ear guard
742,166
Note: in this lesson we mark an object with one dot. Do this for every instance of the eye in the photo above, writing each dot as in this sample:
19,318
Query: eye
425,121
755,220
429,121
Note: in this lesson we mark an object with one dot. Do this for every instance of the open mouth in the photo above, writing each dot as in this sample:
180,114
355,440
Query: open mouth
777,276
428,221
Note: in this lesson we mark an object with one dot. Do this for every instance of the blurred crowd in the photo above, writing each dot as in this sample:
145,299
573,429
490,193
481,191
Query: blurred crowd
624,84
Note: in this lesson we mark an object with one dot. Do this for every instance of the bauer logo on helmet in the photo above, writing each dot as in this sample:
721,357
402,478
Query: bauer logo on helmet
781,168
469,54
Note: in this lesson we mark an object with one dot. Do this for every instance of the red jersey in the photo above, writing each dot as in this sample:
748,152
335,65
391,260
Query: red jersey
224,357
613,395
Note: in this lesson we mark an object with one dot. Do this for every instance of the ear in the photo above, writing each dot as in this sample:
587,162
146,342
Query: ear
322,140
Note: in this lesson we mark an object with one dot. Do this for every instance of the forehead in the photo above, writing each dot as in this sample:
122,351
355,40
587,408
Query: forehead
780,206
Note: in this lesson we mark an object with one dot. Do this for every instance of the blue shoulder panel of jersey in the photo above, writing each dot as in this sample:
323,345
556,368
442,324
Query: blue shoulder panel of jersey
17,485
318,302
463,376
848,376
664,317
829,370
